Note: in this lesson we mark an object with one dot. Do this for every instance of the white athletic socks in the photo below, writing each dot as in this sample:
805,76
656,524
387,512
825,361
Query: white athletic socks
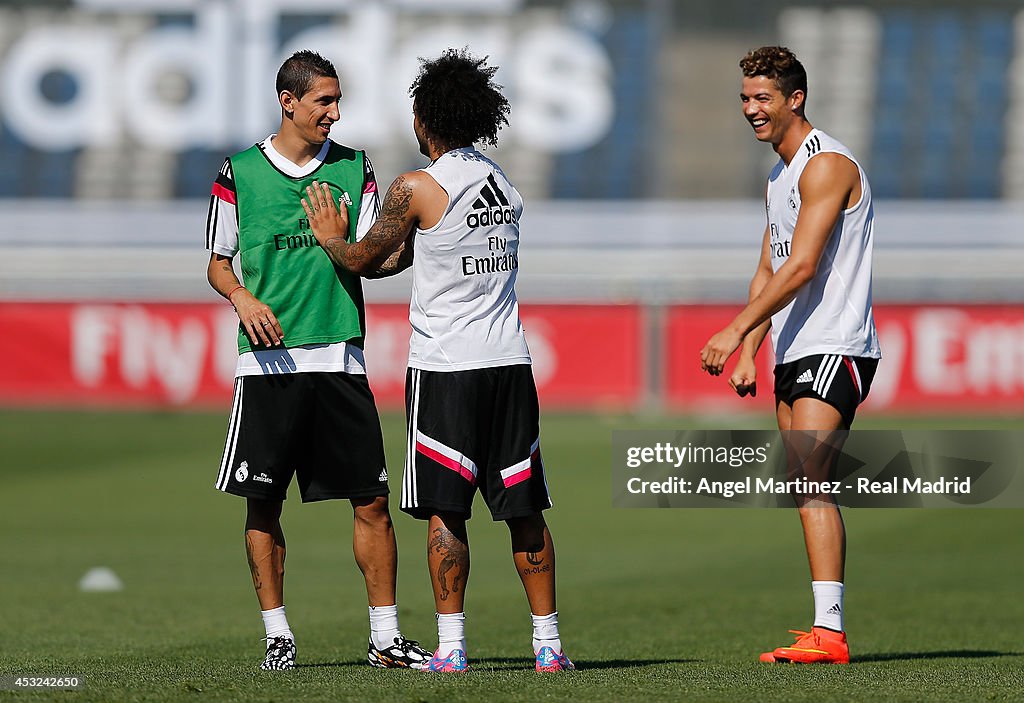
545,632
384,625
828,604
276,623
451,633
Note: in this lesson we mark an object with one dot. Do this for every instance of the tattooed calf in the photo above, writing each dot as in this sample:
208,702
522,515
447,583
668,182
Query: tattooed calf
454,555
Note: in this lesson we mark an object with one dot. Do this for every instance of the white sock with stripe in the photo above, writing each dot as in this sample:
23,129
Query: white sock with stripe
384,625
828,604
545,632
275,622
451,633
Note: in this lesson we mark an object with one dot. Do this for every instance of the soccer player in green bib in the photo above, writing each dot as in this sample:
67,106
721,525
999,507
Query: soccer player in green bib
302,404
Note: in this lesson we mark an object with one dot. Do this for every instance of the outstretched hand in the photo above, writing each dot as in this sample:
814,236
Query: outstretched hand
327,219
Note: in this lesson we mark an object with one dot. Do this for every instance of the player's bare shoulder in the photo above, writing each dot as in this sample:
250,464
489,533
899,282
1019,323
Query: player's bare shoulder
427,199
831,175
420,182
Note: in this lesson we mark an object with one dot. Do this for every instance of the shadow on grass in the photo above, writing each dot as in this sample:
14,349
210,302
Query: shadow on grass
517,664
948,654
523,664
333,665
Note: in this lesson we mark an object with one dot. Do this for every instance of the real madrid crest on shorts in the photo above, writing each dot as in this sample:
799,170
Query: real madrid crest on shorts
266,448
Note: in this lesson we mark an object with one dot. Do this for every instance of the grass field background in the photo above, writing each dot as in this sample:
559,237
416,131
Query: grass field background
654,604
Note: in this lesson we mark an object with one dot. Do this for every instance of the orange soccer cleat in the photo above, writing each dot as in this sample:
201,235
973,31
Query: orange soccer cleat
819,646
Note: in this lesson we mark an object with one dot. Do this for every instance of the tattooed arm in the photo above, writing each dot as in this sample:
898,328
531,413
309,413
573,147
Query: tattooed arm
398,217
399,261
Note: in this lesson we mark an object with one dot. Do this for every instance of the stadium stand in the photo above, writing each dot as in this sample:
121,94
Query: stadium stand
942,101
619,166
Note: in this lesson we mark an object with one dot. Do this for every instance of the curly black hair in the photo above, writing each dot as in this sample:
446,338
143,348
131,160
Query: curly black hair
457,102
780,65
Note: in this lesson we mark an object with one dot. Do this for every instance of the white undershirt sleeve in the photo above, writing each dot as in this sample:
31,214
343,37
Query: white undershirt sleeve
222,217
369,207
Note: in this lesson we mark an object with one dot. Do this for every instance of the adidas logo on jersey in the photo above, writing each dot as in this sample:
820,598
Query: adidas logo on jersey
383,478
806,377
812,146
491,208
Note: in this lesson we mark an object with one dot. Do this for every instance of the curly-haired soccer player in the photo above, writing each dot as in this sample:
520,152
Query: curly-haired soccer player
471,400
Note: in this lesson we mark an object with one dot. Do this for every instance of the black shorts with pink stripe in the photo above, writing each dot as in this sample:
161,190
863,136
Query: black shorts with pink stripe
841,381
473,429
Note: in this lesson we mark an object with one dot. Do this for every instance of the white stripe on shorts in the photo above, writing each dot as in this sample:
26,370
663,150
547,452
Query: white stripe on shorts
856,378
409,497
456,460
540,461
231,443
527,463
820,373
832,377
826,370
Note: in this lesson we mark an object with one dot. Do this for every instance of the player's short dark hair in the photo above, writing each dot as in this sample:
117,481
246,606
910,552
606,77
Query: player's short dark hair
780,65
456,100
300,70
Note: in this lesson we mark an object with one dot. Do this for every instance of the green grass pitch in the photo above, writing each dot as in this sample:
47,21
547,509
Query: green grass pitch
654,604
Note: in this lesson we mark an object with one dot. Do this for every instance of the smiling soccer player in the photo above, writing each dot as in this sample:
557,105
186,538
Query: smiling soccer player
812,288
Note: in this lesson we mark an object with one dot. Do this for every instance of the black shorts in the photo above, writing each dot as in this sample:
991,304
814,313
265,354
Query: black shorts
323,427
841,381
470,429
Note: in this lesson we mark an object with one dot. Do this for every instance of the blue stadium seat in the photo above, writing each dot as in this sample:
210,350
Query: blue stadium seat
617,167
942,98
52,174
14,155
197,168
896,86
986,113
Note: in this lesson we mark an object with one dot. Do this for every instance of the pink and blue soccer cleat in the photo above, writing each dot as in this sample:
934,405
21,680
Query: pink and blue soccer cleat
548,661
455,663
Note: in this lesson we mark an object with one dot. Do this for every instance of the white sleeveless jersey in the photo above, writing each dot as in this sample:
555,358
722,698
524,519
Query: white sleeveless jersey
832,313
464,313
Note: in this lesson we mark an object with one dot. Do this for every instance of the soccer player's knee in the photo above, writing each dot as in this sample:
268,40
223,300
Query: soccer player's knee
527,533
372,511
262,515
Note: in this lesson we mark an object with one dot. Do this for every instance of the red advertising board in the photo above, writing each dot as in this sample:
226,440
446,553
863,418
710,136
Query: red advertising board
950,358
583,355
687,388
955,358
184,354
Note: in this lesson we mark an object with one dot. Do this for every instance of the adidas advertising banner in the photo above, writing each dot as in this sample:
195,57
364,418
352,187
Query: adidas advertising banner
857,469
